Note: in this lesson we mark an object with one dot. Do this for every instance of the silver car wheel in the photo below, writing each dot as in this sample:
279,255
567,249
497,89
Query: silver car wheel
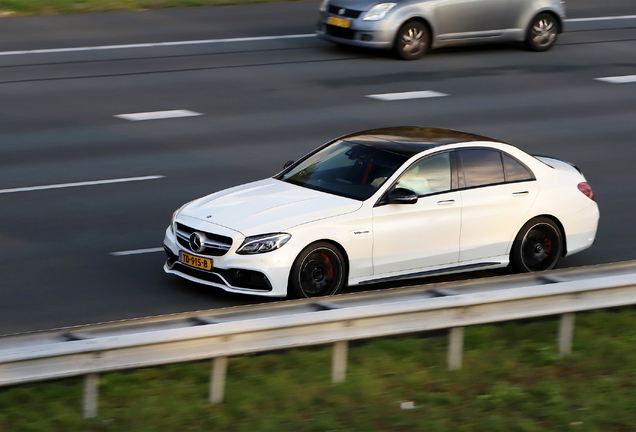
412,40
544,32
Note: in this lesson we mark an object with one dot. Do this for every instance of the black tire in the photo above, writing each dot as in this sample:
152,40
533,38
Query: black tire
537,247
319,270
412,40
542,32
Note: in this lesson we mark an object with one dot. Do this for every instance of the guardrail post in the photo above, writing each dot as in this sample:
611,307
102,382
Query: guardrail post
455,347
217,384
339,361
566,331
91,392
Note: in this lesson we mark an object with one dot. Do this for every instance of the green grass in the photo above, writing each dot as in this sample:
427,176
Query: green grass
53,7
512,380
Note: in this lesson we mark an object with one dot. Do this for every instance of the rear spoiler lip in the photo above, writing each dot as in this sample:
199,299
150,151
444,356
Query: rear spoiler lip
556,159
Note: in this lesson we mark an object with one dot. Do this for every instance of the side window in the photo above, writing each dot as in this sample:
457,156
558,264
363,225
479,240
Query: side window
429,175
515,171
481,167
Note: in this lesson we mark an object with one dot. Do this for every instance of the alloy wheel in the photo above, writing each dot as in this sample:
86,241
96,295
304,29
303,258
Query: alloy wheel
320,273
544,32
541,247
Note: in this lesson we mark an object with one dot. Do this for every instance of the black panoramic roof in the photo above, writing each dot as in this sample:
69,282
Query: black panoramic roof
409,141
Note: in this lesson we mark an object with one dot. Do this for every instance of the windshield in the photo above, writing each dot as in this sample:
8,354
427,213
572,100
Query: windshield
347,169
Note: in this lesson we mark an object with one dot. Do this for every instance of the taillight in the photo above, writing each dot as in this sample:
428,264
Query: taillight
587,190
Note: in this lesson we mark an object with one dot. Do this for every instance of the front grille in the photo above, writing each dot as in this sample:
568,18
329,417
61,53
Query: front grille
339,32
215,244
349,13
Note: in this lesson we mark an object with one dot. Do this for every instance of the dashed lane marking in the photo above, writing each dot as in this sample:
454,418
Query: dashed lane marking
618,79
407,95
158,115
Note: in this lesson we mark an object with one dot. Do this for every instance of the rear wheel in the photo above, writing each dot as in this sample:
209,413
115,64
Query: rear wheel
318,271
537,247
412,41
542,33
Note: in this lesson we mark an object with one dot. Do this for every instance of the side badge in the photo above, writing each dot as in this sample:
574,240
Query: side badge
360,233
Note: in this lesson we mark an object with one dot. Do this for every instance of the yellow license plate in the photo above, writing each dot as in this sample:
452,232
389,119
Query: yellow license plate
339,22
195,261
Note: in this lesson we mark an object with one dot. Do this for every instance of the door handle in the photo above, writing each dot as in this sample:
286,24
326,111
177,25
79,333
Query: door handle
446,202
522,193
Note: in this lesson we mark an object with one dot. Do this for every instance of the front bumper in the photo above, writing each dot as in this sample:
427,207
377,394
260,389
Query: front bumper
370,34
261,274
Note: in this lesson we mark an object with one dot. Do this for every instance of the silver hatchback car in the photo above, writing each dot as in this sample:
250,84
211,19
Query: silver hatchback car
411,27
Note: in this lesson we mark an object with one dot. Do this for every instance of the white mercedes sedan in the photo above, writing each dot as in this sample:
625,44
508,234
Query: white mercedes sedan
382,205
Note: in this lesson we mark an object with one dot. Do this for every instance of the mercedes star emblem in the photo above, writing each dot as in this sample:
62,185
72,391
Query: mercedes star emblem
197,240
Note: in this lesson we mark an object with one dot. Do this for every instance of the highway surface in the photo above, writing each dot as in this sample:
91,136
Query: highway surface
261,102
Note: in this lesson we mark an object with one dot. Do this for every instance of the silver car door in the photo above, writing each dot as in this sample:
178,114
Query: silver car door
472,18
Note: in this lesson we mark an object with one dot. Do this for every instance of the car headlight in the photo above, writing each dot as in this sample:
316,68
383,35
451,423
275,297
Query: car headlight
378,11
324,5
173,221
262,243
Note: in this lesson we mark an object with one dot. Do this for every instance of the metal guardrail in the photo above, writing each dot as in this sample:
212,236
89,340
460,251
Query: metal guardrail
217,334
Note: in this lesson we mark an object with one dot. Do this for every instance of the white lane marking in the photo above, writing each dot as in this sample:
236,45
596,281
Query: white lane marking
87,183
155,115
229,40
407,95
605,18
152,45
137,251
618,79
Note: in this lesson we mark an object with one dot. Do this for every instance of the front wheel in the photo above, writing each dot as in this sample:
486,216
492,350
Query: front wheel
412,41
537,247
542,33
318,271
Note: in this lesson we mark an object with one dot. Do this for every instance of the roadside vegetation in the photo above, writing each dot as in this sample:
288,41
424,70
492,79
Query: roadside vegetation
54,7
512,380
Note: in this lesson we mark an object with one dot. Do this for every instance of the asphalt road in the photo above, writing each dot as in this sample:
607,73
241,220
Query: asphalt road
263,103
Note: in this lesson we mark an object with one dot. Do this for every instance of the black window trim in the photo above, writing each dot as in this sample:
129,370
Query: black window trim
460,169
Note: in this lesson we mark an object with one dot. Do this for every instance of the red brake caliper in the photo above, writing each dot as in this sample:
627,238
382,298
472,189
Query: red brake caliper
328,265
547,246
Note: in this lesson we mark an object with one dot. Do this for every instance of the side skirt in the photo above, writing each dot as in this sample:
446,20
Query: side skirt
456,269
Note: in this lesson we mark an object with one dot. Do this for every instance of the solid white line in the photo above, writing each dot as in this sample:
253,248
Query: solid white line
87,183
606,18
406,95
152,45
618,79
137,251
214,41
155,115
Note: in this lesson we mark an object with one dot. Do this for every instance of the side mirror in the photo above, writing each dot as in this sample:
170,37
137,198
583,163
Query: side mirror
401,196
288,164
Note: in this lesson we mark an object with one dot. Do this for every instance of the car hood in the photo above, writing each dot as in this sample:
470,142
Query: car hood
267,206
361,5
